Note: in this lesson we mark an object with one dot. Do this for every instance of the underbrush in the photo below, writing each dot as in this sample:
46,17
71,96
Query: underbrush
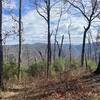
65,81
61,65
91,65
39,69
10,70
71,86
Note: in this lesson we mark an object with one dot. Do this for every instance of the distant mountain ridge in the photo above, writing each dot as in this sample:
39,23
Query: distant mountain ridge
32,50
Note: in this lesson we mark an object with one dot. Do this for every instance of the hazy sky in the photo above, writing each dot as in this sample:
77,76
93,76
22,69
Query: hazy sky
35,27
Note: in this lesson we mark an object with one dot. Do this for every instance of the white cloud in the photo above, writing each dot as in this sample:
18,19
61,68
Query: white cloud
9,4
8,24
35,27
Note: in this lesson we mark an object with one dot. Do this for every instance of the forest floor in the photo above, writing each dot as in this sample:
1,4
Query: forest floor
68,86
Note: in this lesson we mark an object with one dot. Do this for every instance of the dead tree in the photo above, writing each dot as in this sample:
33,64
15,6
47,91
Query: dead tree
55,37
57,29
70,45
41,55
60,46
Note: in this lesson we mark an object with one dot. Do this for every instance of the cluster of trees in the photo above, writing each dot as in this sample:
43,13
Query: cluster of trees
90,13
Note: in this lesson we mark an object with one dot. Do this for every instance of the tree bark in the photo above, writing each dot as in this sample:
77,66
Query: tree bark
60,49
20,37
84,42
70,45
49,38
1,49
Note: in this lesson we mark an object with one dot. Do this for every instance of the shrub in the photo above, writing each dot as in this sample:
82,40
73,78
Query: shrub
91,64
59,65
37,68
75,63
9,70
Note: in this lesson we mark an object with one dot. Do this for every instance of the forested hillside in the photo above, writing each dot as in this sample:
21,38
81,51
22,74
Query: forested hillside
49,49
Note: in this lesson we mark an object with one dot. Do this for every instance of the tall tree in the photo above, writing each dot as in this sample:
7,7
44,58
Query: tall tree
1,48
20,37
90,11
46,10
49,36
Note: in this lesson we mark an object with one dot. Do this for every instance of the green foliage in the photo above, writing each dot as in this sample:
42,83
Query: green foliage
75,63
91,64
37,68
9,70
59,65
23,71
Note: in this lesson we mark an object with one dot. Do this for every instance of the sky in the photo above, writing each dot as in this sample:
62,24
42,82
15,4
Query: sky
35,27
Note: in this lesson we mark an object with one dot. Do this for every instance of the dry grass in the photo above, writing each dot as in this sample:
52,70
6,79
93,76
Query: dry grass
72,85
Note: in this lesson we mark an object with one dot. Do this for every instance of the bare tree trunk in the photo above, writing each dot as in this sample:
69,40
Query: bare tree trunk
1,49
70,45
60,49
89,49
41,55
70,49
60,46
20,37
47,19
54,55
84,41
55,38
49,38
